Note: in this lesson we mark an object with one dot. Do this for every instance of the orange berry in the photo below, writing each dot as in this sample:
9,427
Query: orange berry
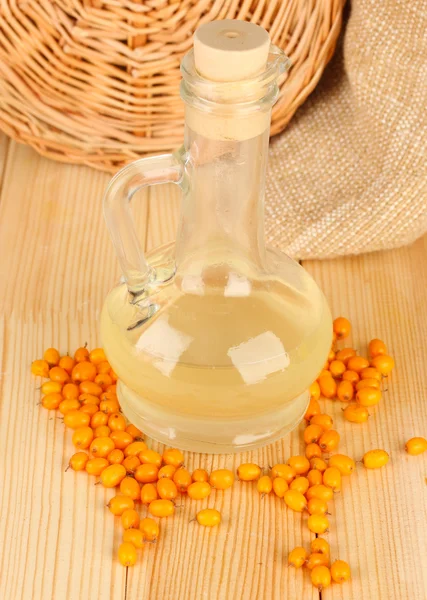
371,373
118,504
324,421
115,457
314,391
131,463
328,386
312,451
167,471
337,368
286,472
345,391
52,401
318,464
297,557
183,480
150,529
127,554
312,409
130,519
82,437
340,571
89,399
200,475
317,559
51,356
295,500
368,383
314,477
83,371
368,396
78,461
67,363
357,363
316,506
300,464
332,478
318,524
104,368
121,439
150,457
342,327
134,431
167,489
90,387
375,348
113,375
75,419
89,409
173,456
101,447
59,374
134,536
112,475
280,486
130,487
148,493
383,363
351,376
355,413
51,387
103,380
146,473
199,490
116,422
70,391
264,485
112,388
416,445
329,440
374,459
161,508
99,418
320,491
221,479
331,356
95,466
320,546
81,354
312,433
68,405
135,448
40,368
321,577
343,463
101,431
345,354
301,484
109,406
208,517
97,356
324,372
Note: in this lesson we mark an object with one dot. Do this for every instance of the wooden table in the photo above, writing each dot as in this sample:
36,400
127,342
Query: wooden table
58,541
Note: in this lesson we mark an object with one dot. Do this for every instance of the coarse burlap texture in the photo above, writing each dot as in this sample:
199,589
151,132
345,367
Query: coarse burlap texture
348,175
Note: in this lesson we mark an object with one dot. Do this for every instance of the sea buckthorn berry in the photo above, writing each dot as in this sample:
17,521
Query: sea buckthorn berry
199,475
131,463
130,519
331,355
112,388
301,484
70,391
312,433
83,371
161,508
97,356
199,490
329,440
314,391
78,461
67,363
332,478
248,472
325,421
103,380
356,413
113,475
90,387
318,523
95,466
146,473
416,445
374,459
324,372
113,375
127,554
345,391
300,464
312,409
287,472
89,409
343,463
51,387
101,447
342,327
40,368
109,406
116,422
109,396
316,506
264,485
89,399
135,448
371,373
52,401
182,479
320,491
340,571
115,457
383,363
351,376
221,479
82,437
166,488
173,456
130,487
150,529
134,431
357,363
297,557
118,504
368,383
121,439
104,368
368,396
318,464
295,500
280,486
101,431
151,457
316,559
312,451
314,477
81,354
337,368
328,386
167,471
75,419
321,577
345,354
59,374
321,546
376,347
98,419
148,493
208,517
134,536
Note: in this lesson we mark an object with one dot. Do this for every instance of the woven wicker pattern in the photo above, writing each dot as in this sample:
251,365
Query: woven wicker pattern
96,81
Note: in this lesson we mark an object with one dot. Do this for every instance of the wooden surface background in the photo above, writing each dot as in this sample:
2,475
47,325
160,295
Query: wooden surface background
58,541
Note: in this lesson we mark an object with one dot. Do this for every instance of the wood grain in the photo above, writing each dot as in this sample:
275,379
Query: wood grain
59,541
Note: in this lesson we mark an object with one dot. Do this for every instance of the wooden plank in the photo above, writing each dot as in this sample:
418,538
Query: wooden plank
379,521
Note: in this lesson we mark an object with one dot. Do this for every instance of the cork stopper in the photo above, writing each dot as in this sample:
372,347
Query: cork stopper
230,50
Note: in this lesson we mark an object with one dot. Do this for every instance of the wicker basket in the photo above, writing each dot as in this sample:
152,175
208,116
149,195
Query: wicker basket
96,81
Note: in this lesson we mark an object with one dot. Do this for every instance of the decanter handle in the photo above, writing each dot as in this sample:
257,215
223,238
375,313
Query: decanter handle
167,168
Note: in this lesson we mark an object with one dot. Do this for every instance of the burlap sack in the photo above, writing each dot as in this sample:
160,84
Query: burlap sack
348,175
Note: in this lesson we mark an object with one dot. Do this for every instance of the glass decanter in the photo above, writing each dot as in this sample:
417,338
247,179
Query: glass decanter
215,338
